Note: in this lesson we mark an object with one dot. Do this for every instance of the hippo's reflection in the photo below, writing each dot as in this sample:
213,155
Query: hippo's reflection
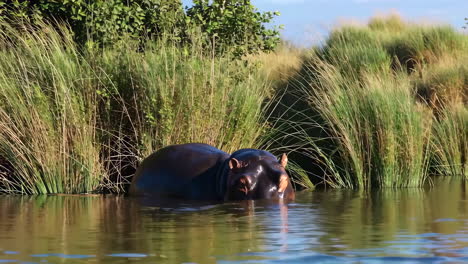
179,231
200,230
168,231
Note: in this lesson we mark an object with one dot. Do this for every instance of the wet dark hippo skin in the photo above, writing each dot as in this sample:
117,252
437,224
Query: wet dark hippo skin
201,172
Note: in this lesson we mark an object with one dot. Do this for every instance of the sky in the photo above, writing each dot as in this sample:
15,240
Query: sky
307,22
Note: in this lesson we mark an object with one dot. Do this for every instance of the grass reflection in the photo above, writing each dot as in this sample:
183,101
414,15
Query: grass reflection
377,219
100,226
109,229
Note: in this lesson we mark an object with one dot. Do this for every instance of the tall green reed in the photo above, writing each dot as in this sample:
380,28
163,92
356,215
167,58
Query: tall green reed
381,134
369,107
372,134
179,95
449,145
47,114
443,88
79,119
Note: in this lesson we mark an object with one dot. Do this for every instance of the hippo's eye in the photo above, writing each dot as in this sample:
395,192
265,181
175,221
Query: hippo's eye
275,177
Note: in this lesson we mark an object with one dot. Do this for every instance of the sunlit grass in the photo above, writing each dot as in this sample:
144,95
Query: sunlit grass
77,120
368,108
375,106
450,143
443,84
378,135
281,64
47,114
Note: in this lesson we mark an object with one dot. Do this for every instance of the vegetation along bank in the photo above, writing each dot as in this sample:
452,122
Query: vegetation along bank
82,101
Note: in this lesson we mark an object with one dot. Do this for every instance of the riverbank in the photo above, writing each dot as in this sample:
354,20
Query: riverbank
378,105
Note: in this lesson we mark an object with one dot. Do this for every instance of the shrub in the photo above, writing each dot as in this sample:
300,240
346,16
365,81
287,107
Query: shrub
102,21
352,118
172,98
234,26
418,46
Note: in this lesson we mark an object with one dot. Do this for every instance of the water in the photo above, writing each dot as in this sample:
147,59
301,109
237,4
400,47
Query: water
396,226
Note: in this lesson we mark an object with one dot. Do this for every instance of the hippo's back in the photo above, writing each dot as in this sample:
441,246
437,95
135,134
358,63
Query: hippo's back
187,171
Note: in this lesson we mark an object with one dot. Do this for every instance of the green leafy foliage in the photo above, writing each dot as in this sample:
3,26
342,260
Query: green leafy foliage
234,23
102,21
227,25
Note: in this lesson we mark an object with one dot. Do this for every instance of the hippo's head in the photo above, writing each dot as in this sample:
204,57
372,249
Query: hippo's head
257,174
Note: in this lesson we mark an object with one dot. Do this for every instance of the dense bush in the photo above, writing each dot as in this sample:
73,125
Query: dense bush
103,21
234,24
227,25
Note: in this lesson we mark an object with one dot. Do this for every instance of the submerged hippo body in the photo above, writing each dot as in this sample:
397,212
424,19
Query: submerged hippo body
202,172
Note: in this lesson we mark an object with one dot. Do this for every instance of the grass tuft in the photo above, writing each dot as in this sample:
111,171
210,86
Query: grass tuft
47,114
78,120
377,133
374,106
449,144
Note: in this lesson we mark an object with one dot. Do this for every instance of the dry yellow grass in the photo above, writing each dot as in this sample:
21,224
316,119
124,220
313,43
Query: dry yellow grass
281,64
444,83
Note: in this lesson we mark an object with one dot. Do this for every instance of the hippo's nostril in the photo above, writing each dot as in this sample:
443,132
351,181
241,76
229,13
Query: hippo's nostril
244,184
243,181
244,189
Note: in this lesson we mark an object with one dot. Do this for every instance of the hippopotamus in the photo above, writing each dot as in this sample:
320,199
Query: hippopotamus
202,172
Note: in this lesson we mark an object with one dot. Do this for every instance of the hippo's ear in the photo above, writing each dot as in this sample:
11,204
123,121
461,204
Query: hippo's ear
234,164
284,160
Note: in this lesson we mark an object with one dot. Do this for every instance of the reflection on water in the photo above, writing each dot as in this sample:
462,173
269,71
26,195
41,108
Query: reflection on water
409,225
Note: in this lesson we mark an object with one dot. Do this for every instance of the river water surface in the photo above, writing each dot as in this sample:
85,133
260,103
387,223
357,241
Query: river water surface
399,226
